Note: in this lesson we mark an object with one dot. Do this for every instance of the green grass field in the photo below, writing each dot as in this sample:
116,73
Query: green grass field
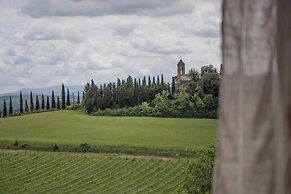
74,128
38,172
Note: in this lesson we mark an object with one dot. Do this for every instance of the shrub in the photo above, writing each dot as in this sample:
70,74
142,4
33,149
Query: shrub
74,107
200,171
55,148
85,147
16,143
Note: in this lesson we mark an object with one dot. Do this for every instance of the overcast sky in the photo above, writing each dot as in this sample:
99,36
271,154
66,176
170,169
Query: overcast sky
47,42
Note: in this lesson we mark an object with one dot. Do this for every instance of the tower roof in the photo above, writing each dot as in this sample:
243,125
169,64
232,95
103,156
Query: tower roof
181,62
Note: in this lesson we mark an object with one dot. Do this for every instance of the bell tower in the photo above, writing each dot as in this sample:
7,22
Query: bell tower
181,68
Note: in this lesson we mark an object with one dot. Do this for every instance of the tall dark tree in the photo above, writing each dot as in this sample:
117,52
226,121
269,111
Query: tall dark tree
37,103
83,96
149,81
20,103
47,102
158,80
63,97
31,102
26,107
144,82
53,100
10,107
162,79
4,109
78,98
154,80
68,97
88,101
173,86
42,102
58,103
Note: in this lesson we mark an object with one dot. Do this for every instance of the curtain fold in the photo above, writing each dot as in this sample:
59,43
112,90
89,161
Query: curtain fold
254,142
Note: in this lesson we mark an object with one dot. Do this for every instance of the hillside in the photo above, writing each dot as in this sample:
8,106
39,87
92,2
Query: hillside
75,128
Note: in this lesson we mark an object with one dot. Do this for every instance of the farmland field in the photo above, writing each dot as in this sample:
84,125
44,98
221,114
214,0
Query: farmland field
39,172
75,128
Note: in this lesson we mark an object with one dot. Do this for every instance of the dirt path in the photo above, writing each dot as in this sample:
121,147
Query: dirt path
92,154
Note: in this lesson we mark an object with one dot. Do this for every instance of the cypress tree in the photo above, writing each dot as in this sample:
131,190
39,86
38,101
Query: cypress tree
173,86
68,97
37,103
10,107
149,81
144,83
58,103
42,102
154,80
158,80
53,100
162,79
4,109
139,82
31,102
26,106
83,96
20,103
47,102
63,97
78,98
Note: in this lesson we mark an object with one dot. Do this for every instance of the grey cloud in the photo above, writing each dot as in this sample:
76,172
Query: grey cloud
43,33
44,8
208,32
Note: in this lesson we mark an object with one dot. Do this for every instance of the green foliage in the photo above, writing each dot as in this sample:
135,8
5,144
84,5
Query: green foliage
182,104
75,107
37,104
31,102
198,98
42,102
200,172
63,97
85,147
10,107
55,148
68,97
16,143
4,109
48,103
20,103
53,100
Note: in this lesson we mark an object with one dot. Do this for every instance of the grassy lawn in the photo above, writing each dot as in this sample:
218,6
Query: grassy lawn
73,127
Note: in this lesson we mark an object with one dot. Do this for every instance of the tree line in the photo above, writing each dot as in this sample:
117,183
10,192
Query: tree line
154,97
123,93
41,103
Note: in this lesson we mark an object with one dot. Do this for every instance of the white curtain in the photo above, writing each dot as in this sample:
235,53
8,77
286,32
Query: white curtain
254,137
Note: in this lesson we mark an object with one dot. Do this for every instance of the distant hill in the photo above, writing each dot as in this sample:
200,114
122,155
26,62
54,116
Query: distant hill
45,91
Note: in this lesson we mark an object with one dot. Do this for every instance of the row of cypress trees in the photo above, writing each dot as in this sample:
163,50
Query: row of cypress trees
41,103
123,93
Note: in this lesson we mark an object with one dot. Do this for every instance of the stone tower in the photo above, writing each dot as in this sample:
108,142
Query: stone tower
181,77
181,68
